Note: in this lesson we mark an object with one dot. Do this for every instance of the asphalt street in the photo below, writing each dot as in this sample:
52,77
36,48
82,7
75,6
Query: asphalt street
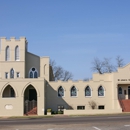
104,122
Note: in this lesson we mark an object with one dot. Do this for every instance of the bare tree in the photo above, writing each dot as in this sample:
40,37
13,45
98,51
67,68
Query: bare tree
67,75
97,66
107,66
59,73
120,61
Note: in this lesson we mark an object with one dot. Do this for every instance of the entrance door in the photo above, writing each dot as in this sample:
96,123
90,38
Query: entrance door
30,101
129,92
32,95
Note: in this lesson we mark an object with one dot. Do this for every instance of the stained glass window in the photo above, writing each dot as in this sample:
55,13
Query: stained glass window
33,73
87,91
73,91
11,73
60,92
100,91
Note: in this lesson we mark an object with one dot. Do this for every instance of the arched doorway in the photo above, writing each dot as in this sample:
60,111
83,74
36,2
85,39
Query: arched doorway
30,101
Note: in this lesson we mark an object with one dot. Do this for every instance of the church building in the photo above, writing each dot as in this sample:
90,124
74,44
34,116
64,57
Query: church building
27,86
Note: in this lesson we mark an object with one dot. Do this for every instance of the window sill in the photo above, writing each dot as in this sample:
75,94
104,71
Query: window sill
61,97
74,96
101,96
8,97
88,96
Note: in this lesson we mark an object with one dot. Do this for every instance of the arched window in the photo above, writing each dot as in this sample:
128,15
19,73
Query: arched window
16,53
73,91
119,90
8,92
12,73
7,54
33,73
100,91
87,91
60,92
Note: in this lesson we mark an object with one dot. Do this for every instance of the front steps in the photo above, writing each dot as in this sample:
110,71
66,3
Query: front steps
32,112
125,105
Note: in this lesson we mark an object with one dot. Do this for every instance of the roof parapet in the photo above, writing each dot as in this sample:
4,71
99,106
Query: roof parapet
70,81
2,37
22,37
13,39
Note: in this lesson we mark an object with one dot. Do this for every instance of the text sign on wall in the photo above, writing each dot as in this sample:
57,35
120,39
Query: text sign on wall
123,79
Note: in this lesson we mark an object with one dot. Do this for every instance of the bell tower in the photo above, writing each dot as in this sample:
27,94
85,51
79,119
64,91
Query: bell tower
12,56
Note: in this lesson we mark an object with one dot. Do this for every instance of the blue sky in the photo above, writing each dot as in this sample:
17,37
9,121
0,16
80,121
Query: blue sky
71,32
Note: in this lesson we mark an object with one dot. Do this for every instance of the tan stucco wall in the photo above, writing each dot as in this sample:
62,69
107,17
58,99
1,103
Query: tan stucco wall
52,99
7,66
44,67
17,102
110,82
91,112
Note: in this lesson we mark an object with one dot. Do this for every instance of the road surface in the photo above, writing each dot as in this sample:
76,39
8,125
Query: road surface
110,122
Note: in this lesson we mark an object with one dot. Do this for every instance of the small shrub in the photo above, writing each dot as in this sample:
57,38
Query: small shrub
48,110
54,112
57,112
60,112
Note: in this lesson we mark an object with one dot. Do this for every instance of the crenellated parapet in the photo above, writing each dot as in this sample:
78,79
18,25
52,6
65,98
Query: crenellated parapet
71,81
4,39
13,42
